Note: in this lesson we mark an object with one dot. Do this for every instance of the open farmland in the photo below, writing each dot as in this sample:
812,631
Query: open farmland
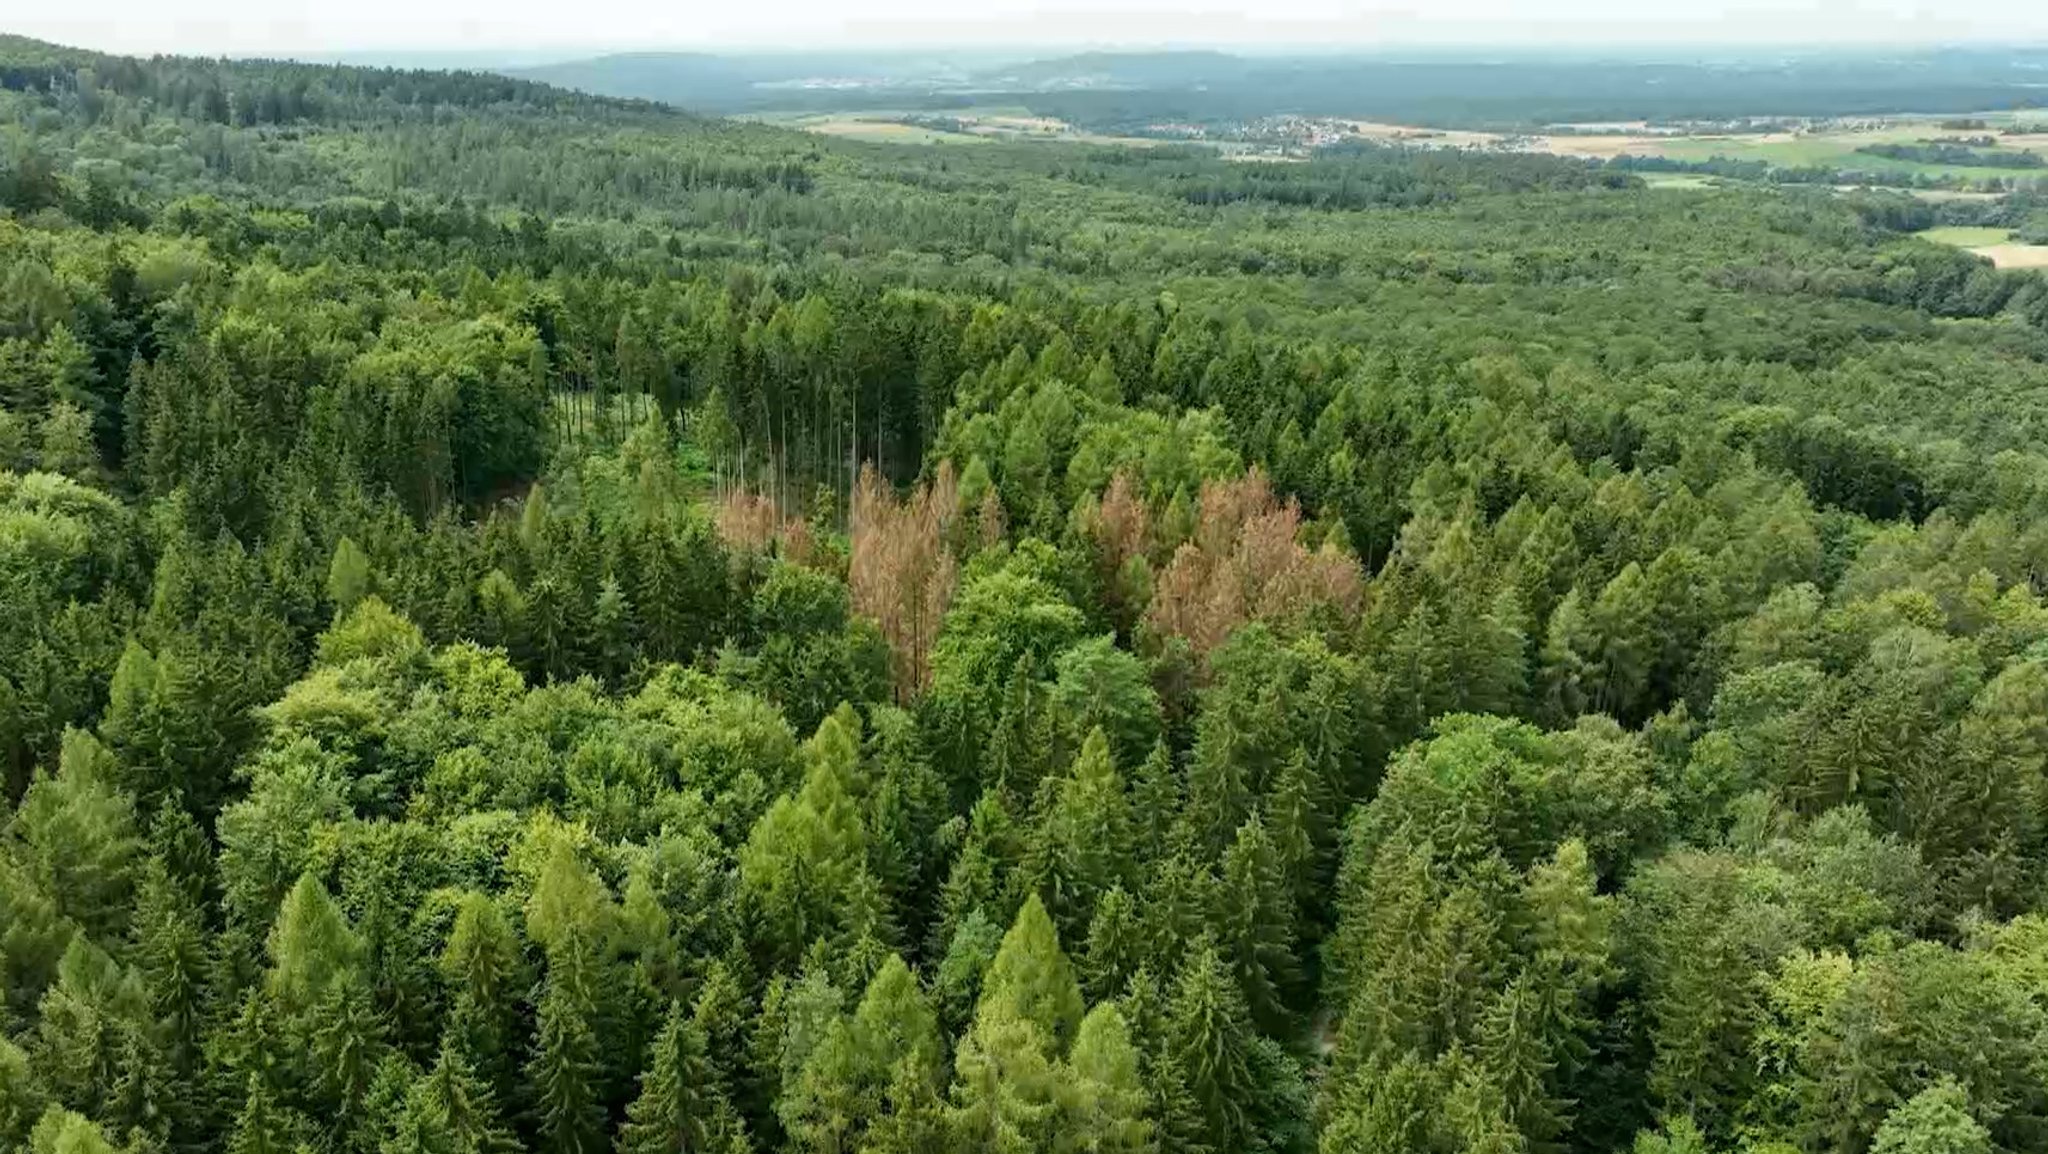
1839,145
1930,153
1996,243
964,126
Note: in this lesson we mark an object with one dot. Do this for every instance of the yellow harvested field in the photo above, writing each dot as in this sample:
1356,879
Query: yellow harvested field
1678,180
883,131
1994,243
1933,195
2015,255
1020,123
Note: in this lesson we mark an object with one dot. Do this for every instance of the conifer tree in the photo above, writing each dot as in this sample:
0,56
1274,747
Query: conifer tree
1210,1035
1106,1111
983,875
1255,919
1115,947
23,1097
1077,850
721,1014
77,833
487,978
1006,1089
349,577
680,1107
451,1099
1514,1057
565,1070
63,1132
1032,980
265,1127
1155,800
82,1019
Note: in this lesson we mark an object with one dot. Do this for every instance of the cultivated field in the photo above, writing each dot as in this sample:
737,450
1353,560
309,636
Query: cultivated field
964,126
1831,144
1995,243
1835,144
2015,255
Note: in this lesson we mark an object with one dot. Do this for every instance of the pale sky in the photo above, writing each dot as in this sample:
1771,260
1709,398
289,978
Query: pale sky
314,27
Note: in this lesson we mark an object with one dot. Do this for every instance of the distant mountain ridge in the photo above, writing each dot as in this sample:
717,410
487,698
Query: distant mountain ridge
1167,68
1131,89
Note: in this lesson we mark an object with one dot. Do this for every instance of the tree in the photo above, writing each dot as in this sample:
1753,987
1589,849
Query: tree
881,1061
77,832
1106,1111
1392,1107
1210,1035
901,573
565,1071
1099,686
319,989
1246,563
23,1097
1935,1121
1902,1018
312,948
487,976
1080,846
64,442
679,1108
1678,1136
453,1103
63,1132
349,577
1115,947
805,857
1006,1088
1516,1056
265,1127
1032,981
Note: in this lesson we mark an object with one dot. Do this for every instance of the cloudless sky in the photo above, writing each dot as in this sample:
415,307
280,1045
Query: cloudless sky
319,27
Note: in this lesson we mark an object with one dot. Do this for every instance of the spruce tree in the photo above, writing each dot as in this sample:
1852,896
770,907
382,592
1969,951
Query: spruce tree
679,1106
1115,947
1255,920
23,1096
487,977
1210,1035
265,1127
564,1072
452,1099
1079,847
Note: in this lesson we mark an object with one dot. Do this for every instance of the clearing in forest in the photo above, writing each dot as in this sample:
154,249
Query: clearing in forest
1995,243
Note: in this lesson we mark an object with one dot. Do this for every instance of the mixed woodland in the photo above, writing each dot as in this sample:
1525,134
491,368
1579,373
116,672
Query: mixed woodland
531,622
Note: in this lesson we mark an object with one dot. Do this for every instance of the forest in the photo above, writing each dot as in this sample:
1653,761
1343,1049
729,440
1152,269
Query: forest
535,622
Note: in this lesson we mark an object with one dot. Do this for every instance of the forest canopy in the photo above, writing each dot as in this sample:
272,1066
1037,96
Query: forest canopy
536,622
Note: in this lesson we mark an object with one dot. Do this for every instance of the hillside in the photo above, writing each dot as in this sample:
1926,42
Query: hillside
545,622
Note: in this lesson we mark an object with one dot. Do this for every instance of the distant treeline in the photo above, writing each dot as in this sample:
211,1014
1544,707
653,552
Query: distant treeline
1942,152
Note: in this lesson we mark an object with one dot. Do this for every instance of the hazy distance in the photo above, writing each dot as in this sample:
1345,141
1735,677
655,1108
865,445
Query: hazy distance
514,32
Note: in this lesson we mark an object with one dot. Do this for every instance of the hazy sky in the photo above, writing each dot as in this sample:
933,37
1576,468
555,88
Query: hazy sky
329,26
